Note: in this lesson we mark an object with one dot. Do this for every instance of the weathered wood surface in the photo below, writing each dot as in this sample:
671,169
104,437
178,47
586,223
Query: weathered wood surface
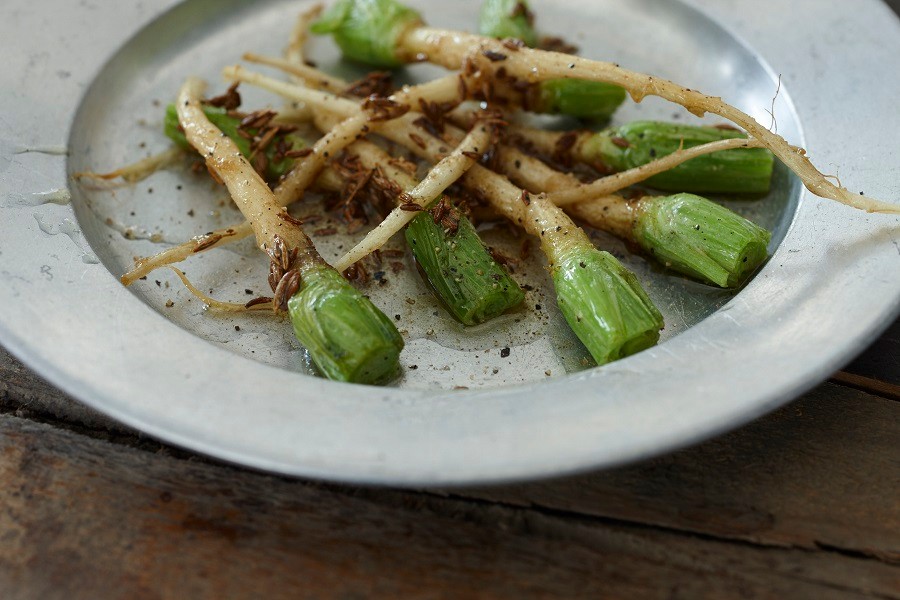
823,472
84,518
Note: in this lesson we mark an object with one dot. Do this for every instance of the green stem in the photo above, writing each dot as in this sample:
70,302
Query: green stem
578,98
737,171
694,236
508,19
368,31
604,304
572,97
473,287
347,337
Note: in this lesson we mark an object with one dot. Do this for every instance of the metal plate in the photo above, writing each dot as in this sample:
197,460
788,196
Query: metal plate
190,378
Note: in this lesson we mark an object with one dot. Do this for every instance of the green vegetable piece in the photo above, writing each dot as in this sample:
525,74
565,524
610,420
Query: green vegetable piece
604,304
368,31
738,171
593,100
348,338
461,271
694,236
229,126
507,19
578,98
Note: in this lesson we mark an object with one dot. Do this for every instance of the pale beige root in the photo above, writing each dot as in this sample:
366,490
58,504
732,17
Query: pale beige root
218,305
139,170
544,140
300,72
295,52
328,180
144,266
358,123
451,48
248,190
609,212
441,176
293,114
443,89
305,171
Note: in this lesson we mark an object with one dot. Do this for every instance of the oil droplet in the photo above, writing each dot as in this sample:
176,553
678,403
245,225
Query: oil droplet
61,196
69,228
134,232
50,150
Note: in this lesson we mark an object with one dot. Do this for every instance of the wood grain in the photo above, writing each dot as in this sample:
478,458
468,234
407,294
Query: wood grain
823,472
21,390
83,518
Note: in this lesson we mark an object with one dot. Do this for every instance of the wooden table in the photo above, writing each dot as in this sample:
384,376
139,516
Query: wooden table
802,503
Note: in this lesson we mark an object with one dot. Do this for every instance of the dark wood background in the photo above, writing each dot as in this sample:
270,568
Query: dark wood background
804,503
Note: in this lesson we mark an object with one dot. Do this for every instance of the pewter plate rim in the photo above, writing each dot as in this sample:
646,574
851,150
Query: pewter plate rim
651,403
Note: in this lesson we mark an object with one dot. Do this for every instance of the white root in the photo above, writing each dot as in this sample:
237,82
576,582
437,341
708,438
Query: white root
140,170
450,49
218,305
201,243
248,190
300,72
439,178
294,51
608,212
305,172
443,89
328,180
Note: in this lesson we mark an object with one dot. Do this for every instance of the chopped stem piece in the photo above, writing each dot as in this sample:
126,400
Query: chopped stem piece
604,304
461,271
347,337
439,178
463,274
573,97
507,19
645,172
699,238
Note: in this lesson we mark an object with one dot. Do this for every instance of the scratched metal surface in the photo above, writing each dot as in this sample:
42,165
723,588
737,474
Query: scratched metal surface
726,356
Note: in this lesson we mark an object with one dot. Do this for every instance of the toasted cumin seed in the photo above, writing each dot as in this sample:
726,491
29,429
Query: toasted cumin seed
284,216
257,300
417,140
494,56
302,153
287,287
207,242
